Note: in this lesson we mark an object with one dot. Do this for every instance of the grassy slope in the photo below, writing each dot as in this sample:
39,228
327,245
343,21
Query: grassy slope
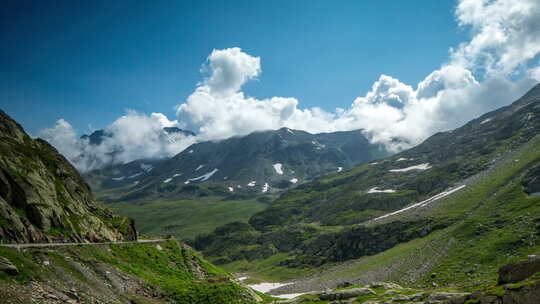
495,223
187,218
173,273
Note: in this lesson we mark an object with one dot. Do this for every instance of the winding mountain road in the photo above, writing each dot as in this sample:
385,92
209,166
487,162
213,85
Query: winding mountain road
38,245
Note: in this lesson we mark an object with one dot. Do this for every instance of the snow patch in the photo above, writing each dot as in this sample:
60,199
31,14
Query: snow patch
265,187
318,144
168,180
266,287
485,121
403,159
146,167
199,167
204,177
339,169
176,174
118,178
252,184
290,131
291,295
424,202
279,168
226,177
294,180
135,175
424,166
190,151
186,182
231,189
376,190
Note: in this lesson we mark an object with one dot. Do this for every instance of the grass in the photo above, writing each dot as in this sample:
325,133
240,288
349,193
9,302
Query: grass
267,269
494,223
187,218
180,274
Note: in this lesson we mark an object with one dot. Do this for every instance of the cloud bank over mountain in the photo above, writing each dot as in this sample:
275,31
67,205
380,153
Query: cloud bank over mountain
132,136
495,66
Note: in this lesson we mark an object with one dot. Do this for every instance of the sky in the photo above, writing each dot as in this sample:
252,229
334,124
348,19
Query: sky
398,70
88,62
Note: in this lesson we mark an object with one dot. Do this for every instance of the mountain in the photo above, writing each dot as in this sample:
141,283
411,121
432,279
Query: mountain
44,199
261,162
97,137
217,182
448,211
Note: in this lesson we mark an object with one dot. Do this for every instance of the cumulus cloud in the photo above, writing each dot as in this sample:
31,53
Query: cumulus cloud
132,136
487,71
495,66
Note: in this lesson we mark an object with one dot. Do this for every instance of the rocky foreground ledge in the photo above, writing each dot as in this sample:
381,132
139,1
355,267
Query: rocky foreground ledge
519,283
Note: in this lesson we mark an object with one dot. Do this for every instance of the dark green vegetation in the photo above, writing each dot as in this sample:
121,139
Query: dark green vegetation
459,239
151,273
43,198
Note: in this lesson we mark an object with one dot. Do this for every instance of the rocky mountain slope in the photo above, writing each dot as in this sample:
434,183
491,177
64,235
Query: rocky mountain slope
260,162
44,199
215,183
448,211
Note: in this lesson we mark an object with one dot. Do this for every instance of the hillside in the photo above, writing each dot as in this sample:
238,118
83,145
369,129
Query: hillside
217,182
163,272
44,199
449,211
261,162
45,202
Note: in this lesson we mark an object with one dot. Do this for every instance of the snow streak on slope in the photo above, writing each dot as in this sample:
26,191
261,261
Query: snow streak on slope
204,177
376,190
417,167
424,202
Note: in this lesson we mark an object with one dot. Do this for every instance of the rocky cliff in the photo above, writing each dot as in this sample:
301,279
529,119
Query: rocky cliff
44,199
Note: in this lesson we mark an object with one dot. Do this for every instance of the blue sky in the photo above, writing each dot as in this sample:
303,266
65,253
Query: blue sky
88,62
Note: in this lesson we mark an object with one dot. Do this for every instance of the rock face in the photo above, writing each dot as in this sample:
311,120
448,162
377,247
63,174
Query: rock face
44,199
260,162
7,267
529,294
519,271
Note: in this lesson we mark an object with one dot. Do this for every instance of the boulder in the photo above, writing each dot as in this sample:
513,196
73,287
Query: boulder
345,294
519,271
344,284
7,267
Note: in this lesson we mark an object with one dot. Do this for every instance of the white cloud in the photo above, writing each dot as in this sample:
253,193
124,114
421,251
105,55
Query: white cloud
506,34
132,136
494,67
